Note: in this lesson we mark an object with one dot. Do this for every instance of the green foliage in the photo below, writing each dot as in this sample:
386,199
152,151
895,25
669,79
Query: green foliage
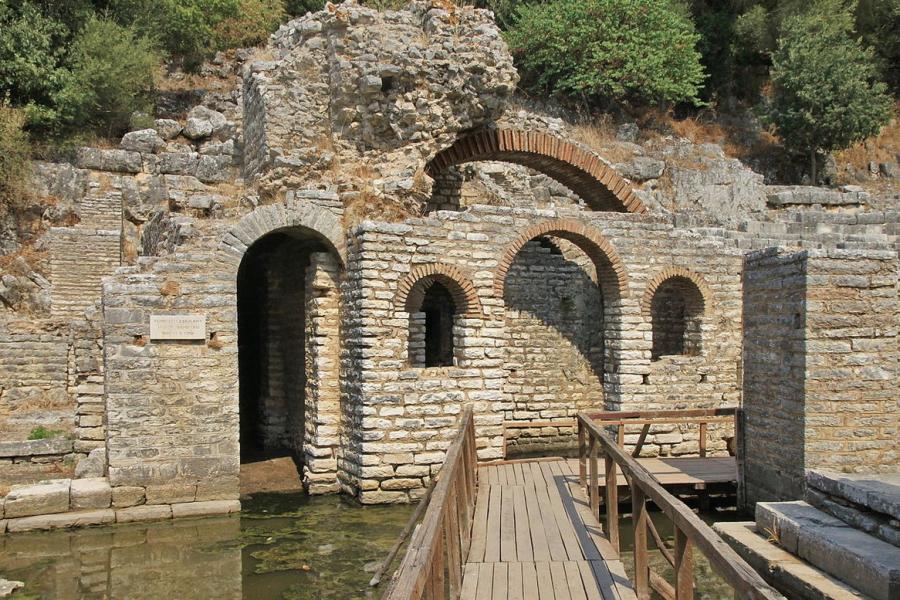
185,29
255,20
826,95
632,50
42,433
295,8
112,71
14,157
878,22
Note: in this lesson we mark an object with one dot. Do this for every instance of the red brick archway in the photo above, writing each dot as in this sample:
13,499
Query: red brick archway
412,288
669,273
576,167
613,280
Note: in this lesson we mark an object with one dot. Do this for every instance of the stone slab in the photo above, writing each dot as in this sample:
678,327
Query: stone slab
788,574
39,499
147,512
863,561
879,492
59,521
199,509
46,447
92,492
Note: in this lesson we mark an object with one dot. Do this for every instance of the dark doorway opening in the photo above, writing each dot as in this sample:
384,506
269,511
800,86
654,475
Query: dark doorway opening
439,310
272,298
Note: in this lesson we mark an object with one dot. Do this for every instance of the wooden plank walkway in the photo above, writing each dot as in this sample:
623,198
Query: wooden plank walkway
682,471
534,538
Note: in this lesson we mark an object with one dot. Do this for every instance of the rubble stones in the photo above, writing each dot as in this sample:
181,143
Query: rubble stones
143,140
92,465
203,122
168,128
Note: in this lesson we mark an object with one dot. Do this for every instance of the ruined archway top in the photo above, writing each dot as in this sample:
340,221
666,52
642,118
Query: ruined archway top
411,291
573,165
609,264
670,272
323,223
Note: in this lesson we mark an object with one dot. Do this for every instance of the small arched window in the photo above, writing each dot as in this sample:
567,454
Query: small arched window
677,314
431,328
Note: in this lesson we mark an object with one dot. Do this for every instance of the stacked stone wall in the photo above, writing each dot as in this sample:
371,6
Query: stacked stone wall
80,258
820,346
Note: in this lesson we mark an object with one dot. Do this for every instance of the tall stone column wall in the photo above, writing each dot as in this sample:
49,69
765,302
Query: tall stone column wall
322,441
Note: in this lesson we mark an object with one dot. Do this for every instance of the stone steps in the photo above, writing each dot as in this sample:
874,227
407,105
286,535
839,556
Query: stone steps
869,502
861,560
790,575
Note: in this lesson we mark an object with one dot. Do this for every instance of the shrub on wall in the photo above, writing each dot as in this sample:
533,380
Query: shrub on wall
642,51
255,20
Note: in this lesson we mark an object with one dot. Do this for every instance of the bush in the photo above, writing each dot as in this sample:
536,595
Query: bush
42,433
14,158
112,75
641,51
295,8
826,95
255,20
185,29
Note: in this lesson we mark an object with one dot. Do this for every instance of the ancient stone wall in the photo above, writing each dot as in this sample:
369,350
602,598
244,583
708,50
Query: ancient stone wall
820,346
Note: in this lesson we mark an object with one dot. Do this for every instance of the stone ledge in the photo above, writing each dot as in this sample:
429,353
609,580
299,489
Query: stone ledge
46,447
62,520
211,507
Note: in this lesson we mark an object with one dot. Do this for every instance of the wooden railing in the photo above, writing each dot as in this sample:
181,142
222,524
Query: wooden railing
437,551
690,530
648,418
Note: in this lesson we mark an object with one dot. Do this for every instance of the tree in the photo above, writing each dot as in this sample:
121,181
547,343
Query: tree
642,51
826,96
14,157
112,75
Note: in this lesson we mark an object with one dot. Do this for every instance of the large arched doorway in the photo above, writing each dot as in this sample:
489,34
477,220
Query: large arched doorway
288,338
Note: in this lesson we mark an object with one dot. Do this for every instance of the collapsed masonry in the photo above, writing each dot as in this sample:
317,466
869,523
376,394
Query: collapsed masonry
373,237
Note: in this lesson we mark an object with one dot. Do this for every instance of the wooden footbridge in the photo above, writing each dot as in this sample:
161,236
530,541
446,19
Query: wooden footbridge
531,530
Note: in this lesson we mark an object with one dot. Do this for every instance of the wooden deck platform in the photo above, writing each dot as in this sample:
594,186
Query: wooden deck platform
534,538
688,471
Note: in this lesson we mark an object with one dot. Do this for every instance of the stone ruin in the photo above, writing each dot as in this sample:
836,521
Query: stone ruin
369,233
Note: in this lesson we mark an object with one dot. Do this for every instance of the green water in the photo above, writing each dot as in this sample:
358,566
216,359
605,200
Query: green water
282,546
289,547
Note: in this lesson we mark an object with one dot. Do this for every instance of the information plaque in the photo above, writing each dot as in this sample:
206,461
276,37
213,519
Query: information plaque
177,327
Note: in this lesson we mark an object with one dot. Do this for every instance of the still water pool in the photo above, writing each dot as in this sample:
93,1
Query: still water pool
280,547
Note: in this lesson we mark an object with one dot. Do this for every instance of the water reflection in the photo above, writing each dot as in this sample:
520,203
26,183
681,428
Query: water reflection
281,547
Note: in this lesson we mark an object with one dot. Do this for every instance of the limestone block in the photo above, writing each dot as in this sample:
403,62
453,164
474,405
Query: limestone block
125,496
121,161
148,512
171,493
211,507
92,492
203,122
58,521
35,448
93,465
213,169
167,128
40,499
7,587
143,140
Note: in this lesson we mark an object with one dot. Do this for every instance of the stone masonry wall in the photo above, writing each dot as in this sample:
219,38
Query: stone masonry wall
405,412
821,360
554,348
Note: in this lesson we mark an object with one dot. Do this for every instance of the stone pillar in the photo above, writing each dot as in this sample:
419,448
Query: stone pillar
323,410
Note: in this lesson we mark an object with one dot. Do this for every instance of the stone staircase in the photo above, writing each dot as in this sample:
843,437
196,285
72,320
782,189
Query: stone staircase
842,542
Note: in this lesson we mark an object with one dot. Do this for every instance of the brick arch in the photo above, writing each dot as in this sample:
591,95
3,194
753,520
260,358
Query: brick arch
610,267
669,273
411,291
573,165
320,222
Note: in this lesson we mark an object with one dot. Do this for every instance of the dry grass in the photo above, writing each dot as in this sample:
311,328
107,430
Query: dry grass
882,148
600,136
368,205
36,259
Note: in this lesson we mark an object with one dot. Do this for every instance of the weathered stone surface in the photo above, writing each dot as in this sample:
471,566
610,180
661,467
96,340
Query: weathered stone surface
210,507
125,496
642,168
143,140
121,161
168,128
89,493
58,521
787,573
148,512
35,447
39,499
866,563
93,465
203,122
8,586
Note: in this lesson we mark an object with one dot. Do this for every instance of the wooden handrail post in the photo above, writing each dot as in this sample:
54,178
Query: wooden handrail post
595,482
684,567
641,560
581,455
620,436
612,503
703,439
